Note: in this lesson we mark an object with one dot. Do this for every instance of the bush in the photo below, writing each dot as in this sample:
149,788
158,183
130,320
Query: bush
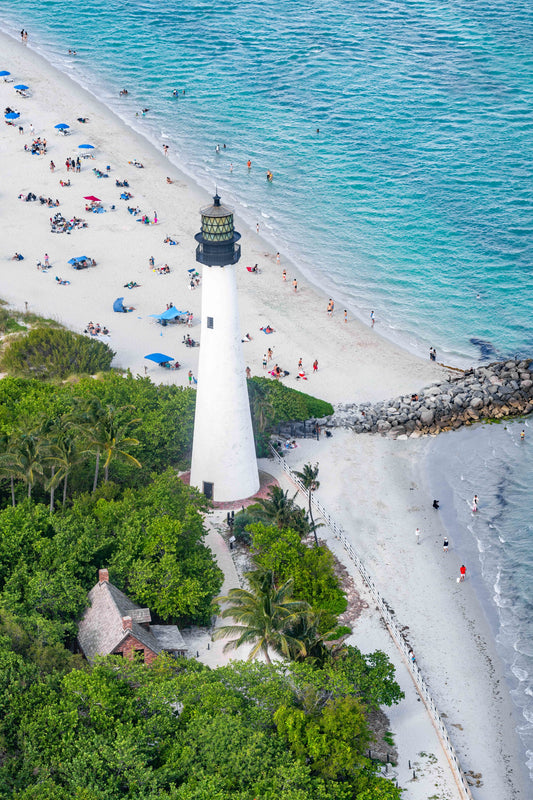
56,353
284,404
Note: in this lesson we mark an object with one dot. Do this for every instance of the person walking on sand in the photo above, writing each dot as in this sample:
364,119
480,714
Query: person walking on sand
372,319
46,260
315,365
295,285
300,364
165,149
284,275
331,306
417,534
462,575
265,361
270,354
475,503
248,372
277,258
345,315
52,166
445,544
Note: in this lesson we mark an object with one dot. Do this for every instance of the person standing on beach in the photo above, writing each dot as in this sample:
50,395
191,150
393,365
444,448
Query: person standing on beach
257,227
331,306
522,436
417,534
300,364
284,275
248,372
270,354
315,365
463,573
445,544
277,258
52,166
475,503
46,260
165,149
345,315
372,319
295,285
265,361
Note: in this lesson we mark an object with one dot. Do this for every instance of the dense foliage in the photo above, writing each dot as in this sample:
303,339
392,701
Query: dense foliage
311,568
109,446
55,353
180,731
271,402
90,413
151,539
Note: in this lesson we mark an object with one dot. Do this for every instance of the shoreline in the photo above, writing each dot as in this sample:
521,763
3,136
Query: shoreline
379,499
406,340
356,363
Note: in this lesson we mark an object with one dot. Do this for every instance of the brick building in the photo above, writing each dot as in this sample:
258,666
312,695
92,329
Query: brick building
114,624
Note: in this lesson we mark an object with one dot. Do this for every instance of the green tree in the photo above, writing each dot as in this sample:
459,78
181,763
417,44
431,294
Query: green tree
262,616
281,510
309,479
332,740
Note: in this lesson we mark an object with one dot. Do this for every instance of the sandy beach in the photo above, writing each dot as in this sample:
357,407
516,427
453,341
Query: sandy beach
373,486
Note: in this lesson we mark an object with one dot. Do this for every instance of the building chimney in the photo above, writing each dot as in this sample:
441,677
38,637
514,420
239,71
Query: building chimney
126,623
103,576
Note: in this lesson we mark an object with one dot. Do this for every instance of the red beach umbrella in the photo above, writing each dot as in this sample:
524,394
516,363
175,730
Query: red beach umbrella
92,198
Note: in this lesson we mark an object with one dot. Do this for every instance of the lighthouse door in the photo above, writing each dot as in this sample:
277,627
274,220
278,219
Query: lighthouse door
208,490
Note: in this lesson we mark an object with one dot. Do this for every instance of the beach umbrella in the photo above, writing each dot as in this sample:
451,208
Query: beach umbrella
159,358
86,146
118,305
170,313
79,258
61,126
21,87
12,115
92,198
4,73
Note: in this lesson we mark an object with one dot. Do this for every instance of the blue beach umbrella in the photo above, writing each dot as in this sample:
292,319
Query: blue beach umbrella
86,146
4,73
159,358
61,126
12,115
21,87
79,258
118,305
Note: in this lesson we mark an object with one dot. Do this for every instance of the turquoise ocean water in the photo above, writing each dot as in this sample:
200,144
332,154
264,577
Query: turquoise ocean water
414,198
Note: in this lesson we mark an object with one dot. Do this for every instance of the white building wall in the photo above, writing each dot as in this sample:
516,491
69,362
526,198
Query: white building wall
223,447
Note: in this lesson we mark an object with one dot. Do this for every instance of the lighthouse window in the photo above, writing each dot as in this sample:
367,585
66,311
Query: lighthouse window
210,322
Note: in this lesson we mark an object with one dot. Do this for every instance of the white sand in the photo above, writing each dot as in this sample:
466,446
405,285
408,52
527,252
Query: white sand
365,481
379,500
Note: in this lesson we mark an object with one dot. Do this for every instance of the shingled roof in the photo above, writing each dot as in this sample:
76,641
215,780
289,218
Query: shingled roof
112,617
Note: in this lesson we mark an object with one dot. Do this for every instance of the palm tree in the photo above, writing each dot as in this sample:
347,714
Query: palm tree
115,442
262,616
63,453
308,629
28,458
9,465
106,430
281,510
308,477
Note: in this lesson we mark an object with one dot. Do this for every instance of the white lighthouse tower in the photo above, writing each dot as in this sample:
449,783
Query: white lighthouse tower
224,465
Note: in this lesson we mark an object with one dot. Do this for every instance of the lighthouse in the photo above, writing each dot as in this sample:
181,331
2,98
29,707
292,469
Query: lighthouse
224,464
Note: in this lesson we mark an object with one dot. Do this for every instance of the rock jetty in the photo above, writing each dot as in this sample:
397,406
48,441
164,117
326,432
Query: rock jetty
500,389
